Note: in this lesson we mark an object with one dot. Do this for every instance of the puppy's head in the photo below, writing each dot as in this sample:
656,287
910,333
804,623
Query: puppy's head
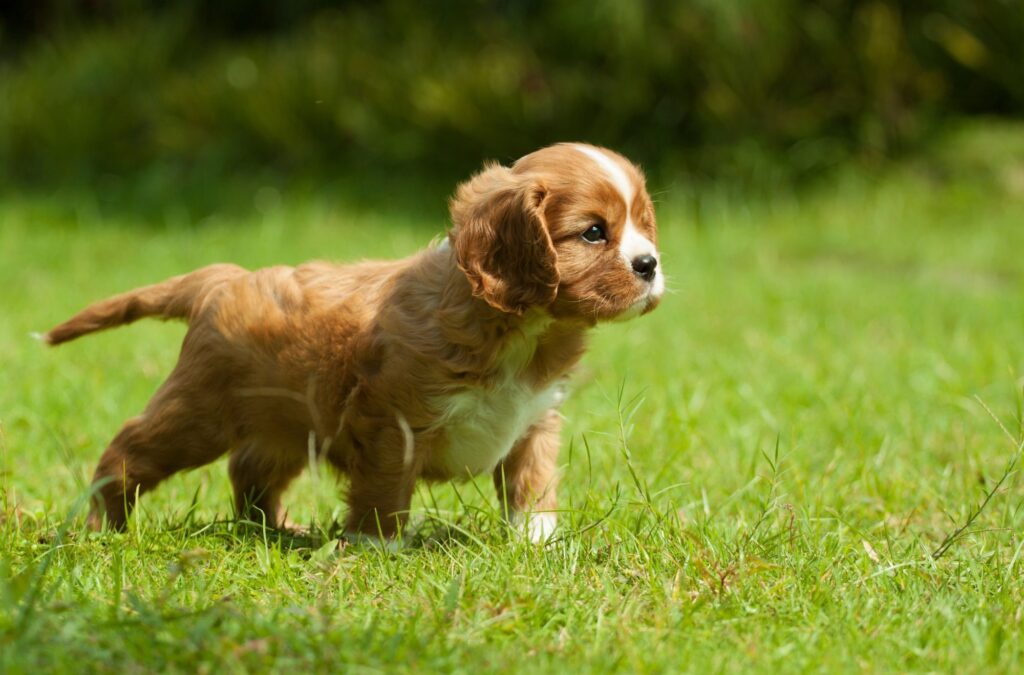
569,228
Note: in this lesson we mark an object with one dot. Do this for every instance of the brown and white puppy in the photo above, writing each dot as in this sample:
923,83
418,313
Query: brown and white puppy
444,365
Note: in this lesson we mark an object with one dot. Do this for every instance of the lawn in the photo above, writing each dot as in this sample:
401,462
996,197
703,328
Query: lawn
769,471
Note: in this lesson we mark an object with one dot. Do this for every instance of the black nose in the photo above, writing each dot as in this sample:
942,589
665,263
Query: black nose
644,266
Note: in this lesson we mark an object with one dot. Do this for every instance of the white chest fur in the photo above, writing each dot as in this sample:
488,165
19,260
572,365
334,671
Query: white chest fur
481,424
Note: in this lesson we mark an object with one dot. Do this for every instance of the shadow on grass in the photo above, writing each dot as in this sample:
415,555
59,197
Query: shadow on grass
428,532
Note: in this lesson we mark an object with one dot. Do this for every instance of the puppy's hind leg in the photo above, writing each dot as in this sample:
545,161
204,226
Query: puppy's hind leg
175,432
259,477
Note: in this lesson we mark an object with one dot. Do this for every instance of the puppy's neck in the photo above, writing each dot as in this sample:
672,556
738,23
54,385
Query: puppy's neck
482,339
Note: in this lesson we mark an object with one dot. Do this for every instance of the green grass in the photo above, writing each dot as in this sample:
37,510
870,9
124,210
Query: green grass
755,476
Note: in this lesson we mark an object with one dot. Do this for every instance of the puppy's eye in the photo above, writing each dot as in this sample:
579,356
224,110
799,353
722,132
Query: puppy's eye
594,234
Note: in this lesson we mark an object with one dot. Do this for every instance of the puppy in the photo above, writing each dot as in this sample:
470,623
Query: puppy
444,365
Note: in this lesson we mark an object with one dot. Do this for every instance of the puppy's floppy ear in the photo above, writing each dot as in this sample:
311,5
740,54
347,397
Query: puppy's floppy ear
501,241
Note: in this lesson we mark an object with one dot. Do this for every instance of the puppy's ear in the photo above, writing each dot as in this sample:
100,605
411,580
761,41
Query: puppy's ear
501,241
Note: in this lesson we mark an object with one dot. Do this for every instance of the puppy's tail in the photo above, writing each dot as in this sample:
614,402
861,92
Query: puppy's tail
176,298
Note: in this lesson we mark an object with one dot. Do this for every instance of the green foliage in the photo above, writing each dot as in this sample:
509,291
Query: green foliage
756,475
729,87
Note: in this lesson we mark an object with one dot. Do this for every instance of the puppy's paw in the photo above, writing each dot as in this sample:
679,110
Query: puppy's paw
538,527
293,529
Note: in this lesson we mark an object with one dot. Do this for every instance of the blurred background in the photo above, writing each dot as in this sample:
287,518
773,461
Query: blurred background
840,196
143,101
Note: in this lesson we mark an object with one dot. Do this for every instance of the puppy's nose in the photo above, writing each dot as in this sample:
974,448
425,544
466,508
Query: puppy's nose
644,266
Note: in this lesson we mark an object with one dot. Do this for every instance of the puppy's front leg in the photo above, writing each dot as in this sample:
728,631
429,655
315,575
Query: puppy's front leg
527,479
382,478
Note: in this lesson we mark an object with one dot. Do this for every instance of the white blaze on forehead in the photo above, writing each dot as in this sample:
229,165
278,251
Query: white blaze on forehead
633,243
614,172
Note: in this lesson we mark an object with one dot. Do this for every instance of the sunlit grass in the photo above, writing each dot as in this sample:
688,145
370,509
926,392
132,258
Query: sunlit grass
755,475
